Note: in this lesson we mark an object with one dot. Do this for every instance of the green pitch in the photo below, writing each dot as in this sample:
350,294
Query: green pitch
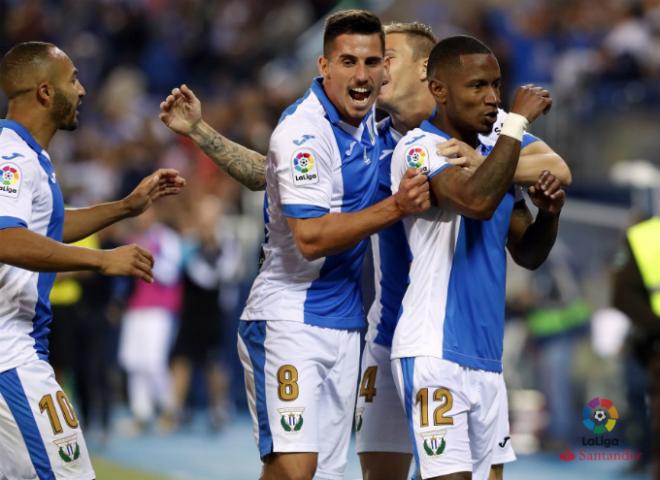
106,470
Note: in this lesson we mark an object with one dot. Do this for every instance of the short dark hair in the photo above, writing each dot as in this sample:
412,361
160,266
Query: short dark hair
352,22
447,52
18,62
422,37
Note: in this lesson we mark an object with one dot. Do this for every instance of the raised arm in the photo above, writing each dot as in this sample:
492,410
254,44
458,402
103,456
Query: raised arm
28,250
335,232
530,242
477,195
82,222
181,111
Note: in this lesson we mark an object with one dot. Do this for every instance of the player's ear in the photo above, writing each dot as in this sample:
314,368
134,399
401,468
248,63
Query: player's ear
45,93
423,69
323,66
438,89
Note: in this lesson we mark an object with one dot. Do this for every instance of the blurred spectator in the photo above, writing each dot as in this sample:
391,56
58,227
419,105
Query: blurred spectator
211,258
637,294
148,325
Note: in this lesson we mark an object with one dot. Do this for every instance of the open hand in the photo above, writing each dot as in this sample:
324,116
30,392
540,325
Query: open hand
413,195
181,110
547,193
163,182
460,154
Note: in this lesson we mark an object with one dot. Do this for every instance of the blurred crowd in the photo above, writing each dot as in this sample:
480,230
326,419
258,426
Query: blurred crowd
245,60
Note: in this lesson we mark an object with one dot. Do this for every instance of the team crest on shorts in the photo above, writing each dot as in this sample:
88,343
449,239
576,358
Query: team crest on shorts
358,419
68,448
291,419
434,443
304,167
10,180
417,158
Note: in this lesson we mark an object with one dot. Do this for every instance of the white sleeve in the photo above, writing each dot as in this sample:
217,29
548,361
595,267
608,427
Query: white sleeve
304,174
18,180
419,153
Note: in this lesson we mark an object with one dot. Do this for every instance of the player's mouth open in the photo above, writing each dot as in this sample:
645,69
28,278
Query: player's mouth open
491,116
360,95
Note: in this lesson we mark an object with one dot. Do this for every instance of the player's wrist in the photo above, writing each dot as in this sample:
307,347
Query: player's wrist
515,126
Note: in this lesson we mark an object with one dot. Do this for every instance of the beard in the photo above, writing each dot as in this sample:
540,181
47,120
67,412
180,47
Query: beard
64,112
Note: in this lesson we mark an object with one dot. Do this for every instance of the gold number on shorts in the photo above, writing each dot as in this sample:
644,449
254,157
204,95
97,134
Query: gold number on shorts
443,395
287,375
48,405
439,395
368,384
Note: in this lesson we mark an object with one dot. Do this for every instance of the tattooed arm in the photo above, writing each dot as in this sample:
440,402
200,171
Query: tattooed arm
182,113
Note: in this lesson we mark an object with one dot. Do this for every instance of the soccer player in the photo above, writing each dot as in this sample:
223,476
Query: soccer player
384,447
447,346
39,432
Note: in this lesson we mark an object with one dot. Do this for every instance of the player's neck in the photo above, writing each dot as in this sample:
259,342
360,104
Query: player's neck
417,110
40,127
443,123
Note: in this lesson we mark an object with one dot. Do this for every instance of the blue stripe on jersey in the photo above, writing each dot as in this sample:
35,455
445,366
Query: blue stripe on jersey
438,170
293,107
395,254
528,139
14,394
474,318
408,371
12,222
303,211
253,334
43,313
339,277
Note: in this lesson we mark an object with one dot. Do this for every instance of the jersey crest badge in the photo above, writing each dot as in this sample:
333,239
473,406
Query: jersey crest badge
10,180
417,157
434,443
291,419
305,170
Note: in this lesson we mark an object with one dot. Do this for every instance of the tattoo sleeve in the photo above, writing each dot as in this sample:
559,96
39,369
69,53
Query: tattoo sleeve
244,165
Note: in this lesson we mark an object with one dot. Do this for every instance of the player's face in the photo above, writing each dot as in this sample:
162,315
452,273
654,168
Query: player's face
405,73
473,93
68,93
353,73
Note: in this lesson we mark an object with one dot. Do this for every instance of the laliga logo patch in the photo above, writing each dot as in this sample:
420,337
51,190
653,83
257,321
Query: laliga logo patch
304,168
417,158
10,180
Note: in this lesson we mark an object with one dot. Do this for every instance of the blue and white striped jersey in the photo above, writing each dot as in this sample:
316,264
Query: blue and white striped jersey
454,305
316,164
29,198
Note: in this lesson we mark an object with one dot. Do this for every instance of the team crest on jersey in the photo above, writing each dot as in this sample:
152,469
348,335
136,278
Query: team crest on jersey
417,158
434,442
10,180
305,171
291,419
68,448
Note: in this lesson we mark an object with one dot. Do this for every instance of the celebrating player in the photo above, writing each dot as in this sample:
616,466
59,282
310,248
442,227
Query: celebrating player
447,347
40,433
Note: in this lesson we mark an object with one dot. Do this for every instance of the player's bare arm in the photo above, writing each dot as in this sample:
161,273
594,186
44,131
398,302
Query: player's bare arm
23,248
534,158
478,195
530,243
336,232
82,222
181,111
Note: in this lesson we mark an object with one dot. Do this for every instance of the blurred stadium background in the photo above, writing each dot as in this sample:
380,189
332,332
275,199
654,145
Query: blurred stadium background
247,60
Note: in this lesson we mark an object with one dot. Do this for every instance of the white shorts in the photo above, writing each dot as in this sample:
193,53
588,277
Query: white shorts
380,420
502,449
301,383
145,339
39,433
452,414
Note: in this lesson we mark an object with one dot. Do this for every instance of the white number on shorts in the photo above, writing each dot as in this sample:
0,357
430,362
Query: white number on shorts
46,403
287,375
439,395
368,384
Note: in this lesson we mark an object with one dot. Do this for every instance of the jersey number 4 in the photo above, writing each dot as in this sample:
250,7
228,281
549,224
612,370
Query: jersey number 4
48,405
439,395
368,384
